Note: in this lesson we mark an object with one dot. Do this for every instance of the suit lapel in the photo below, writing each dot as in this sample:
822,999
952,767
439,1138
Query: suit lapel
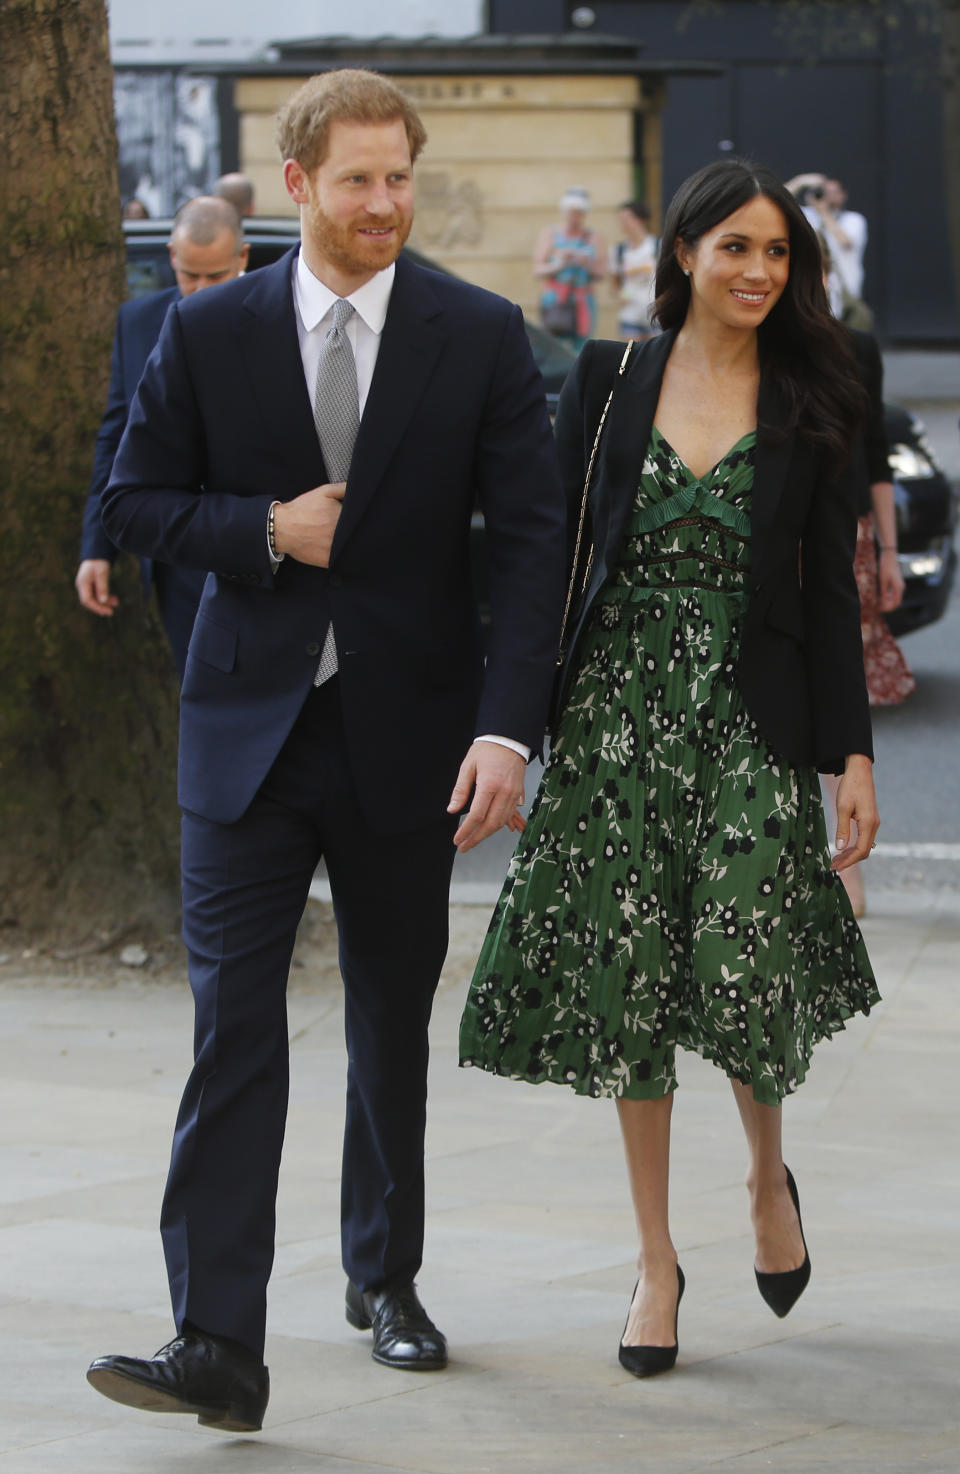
413,337
270,349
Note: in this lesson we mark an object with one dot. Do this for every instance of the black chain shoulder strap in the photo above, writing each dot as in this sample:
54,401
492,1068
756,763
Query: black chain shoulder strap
574,579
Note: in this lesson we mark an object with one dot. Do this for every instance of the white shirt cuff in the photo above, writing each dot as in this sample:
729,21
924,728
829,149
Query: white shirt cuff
519,747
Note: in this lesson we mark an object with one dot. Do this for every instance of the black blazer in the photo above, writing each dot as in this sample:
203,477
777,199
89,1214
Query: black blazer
222,425
801,658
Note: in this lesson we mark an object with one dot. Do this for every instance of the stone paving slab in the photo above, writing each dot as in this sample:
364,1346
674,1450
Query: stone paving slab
530,1250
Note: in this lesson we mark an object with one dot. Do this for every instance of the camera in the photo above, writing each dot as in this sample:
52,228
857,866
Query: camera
811,194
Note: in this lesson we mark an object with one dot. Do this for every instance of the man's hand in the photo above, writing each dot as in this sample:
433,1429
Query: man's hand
890,580
494,774
304,528
856,807
92,584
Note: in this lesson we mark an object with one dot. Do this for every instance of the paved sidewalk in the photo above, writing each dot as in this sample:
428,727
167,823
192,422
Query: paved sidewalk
529,1256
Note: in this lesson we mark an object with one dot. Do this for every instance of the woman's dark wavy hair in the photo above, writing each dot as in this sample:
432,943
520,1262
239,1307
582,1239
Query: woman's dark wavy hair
802,345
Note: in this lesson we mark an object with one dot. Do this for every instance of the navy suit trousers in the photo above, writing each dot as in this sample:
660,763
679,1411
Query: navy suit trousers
245,888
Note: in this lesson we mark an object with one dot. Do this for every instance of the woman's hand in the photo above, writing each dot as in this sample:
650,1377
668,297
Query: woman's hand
857,817
890,580
890,583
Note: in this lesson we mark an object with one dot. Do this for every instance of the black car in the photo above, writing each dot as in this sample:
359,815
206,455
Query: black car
926,507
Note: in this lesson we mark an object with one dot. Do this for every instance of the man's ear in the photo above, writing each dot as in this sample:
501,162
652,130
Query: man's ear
295,179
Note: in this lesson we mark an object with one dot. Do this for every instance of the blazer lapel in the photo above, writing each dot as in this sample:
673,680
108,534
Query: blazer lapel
413,337
271,352
627,435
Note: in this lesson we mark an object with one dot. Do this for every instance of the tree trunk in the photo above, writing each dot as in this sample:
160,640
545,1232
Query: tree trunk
87,706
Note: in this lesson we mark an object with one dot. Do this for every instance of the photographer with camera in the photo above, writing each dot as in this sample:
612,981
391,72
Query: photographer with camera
823,202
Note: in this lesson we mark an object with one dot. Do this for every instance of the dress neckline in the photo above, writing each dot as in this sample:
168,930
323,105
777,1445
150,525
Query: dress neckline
750,435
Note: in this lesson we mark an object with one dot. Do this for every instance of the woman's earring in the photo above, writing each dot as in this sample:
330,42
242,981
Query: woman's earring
685,270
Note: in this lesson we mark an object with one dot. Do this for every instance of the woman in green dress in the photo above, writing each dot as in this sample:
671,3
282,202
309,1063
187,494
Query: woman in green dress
674,884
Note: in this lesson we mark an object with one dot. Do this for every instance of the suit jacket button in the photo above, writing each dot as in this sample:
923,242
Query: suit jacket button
313,648
336,580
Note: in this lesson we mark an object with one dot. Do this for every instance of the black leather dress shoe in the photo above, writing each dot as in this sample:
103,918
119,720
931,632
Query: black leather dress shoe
403,1333
225,1385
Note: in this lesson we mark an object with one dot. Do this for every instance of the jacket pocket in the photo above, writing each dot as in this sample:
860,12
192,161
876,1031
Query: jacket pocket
214,644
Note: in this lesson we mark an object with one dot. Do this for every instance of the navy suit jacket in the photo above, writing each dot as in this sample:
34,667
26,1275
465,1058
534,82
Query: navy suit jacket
138,328
222,426
801,655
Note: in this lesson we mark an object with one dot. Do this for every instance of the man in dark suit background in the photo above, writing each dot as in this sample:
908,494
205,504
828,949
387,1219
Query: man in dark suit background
206,247
334,682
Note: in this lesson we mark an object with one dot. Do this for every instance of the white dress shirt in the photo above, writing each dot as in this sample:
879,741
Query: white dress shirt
314,302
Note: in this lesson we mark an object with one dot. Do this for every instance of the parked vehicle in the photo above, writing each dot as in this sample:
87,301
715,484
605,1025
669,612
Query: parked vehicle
926,506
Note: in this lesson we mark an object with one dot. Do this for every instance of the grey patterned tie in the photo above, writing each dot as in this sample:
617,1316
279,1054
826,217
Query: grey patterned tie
336,414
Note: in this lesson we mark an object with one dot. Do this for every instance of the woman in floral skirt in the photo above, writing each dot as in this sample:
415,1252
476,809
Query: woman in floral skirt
876,567
674,884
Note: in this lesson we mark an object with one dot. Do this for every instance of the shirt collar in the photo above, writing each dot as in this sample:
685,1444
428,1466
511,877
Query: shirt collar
370,302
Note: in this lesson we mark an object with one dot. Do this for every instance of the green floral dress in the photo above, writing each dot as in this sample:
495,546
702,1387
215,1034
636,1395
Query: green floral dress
673,886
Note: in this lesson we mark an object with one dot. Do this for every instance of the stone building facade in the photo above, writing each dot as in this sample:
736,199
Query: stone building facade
501,151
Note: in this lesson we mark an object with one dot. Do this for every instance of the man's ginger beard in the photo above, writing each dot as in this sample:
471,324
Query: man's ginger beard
346,248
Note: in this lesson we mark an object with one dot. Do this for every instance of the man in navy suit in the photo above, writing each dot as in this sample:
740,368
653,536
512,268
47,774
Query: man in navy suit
206,247
225,465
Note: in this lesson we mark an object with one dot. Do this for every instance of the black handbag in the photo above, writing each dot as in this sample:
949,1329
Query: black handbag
582,557
559,317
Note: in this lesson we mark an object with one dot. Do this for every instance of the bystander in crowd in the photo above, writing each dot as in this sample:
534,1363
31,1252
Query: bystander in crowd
238,189
570,259
876,566
823,201
206,247
633,267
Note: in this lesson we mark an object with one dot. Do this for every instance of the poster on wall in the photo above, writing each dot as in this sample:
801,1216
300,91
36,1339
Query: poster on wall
168,129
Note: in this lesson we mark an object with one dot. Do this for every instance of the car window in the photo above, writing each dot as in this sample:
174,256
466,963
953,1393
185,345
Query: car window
148,268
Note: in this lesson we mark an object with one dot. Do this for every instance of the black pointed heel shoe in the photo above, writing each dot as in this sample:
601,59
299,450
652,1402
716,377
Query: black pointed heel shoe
782,1291
647,1361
